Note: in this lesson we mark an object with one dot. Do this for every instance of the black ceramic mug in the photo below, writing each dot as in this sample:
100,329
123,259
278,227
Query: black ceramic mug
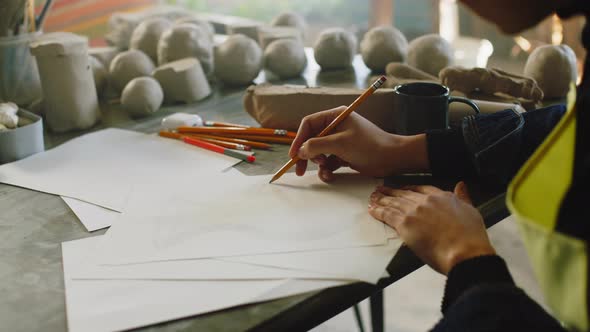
421,106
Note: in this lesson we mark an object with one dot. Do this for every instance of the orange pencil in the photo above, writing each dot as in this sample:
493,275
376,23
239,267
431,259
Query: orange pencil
261,138
208,146
223,124
256,145
334,123
237,131
225,144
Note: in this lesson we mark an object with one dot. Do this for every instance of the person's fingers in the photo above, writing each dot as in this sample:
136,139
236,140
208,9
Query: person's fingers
424,189
462,192
388,215
331,144
333,163
407,194
300,167
320,160
312,125
325,174
398,203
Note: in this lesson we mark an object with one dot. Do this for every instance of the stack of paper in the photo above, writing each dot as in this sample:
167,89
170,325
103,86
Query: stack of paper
190,237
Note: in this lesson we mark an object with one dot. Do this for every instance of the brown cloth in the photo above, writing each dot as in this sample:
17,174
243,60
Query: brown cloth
284,106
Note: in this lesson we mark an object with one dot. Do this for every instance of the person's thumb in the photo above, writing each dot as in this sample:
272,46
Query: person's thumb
462,192
328,145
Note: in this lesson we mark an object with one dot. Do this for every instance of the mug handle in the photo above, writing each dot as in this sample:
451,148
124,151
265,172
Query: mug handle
464,101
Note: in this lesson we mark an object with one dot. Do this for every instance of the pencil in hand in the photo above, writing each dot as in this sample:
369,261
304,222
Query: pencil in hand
351,108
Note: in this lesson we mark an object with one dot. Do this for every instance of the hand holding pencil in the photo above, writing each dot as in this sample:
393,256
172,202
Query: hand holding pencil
354,142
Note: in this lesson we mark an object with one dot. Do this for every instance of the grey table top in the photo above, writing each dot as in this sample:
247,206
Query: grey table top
33,225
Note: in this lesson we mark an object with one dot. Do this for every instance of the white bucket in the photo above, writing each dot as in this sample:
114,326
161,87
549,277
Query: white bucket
19,76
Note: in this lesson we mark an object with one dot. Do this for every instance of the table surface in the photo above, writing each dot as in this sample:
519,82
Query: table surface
33,225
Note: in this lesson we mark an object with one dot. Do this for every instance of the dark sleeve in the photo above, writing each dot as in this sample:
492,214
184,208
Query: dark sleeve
480,295
491,147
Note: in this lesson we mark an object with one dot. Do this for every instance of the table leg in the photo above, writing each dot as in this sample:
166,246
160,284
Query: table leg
359,318
377,319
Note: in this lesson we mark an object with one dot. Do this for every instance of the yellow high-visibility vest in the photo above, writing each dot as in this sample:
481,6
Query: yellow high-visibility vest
534,197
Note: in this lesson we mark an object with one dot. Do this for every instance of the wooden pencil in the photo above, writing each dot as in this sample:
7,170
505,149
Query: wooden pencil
223,131
207,145
225,144
334,123
262,138
223,124
256,145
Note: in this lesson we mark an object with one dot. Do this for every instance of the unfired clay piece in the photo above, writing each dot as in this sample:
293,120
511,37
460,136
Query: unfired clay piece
69,93
285,58
183,41
8,117
183,81
246,29
382,45
267,35
146,35
554,68
104,54
100,74
208,27
291,19
142,96
127,66
430,53
238,60
335,48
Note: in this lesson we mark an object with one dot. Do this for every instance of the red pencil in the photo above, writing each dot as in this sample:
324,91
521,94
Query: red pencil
217,148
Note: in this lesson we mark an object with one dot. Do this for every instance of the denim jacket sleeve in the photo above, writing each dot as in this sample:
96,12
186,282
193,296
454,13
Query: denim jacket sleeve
490,147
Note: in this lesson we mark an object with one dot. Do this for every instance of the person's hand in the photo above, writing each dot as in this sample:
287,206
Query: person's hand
442,228
356,143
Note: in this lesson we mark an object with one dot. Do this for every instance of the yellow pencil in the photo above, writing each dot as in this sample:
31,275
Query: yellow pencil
334,123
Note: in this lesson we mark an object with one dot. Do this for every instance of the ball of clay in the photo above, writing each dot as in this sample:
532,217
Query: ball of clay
554,68
430,53
206,26
290,19
127,66
285,58
238,60
100,74
142,96
183,41
8,117
382,45
146,35
335,49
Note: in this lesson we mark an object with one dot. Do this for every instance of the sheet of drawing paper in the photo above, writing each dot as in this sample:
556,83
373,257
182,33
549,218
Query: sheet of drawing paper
362,264
93,217
108,305
102,167
196,269
243,216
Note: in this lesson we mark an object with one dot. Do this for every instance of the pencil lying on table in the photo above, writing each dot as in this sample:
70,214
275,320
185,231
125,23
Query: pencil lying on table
208,146
223,124
222,131
255,145
225,144
334,123
262,138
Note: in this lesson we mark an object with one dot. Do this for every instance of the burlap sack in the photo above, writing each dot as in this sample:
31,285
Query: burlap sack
284,106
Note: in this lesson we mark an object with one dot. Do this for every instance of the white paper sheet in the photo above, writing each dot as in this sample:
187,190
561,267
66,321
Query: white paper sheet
359,264
244,216
109,305
102,167
93,217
